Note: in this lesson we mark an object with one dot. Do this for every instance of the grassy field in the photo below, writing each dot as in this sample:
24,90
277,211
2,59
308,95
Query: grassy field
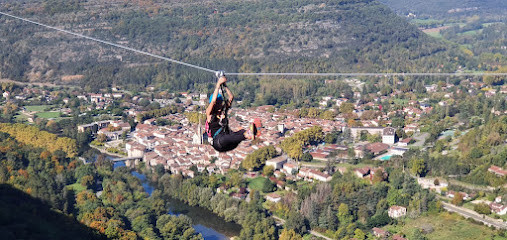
48,114
469,33
21,117
446,226
435,34
426,21
38,108
399,101
77,187
489,24
352,166
256,183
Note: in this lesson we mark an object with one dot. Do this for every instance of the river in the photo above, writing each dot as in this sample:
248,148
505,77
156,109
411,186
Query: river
208,224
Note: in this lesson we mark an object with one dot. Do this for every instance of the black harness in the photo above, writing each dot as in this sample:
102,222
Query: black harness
224,121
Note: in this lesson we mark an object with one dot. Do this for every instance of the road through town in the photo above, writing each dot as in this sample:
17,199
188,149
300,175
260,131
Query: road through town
467,213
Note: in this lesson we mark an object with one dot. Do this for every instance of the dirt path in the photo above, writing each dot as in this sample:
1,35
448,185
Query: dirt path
39,84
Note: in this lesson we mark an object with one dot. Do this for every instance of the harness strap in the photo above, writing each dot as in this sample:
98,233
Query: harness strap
217,132
208,131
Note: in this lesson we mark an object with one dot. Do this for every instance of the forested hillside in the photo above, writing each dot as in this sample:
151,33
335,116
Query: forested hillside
56,192
246,36
449,8
34,219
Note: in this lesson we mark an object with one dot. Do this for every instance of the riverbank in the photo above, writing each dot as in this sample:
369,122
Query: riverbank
104,151
205,222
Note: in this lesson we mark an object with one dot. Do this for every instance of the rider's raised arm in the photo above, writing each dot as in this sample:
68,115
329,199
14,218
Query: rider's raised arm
213,100
229,95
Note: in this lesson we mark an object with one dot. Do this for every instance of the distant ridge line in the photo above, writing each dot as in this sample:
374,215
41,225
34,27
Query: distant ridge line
249,74
112,44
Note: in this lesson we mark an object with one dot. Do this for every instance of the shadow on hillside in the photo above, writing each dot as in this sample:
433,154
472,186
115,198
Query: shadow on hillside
25,217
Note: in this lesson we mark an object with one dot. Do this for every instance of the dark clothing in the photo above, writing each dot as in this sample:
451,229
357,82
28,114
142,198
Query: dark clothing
215,125
225,140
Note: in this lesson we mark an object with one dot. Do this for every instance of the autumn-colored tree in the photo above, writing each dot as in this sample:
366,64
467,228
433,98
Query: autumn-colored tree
99,226
9,108
45,155
33,136
290,235
436,182
457,199
102,137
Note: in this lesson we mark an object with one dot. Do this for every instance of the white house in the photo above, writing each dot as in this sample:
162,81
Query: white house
289,168
388,135
273,197
318,175
397,211
498,208
277,162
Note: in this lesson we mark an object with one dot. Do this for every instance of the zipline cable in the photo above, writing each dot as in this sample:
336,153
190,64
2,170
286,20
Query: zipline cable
367,74
112,44
251,74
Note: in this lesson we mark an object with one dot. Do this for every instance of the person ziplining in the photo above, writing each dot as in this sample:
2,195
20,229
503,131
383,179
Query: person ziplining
217,124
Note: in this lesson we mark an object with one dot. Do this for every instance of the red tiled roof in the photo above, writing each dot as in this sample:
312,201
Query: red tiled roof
398,237
377,147
497,170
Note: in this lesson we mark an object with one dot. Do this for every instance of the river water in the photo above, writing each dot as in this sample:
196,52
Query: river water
208,224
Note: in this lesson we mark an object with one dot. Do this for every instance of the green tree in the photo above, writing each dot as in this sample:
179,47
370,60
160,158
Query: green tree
359,234
257,159
296,222
331,138
268,186
482,208
344,216
87,181
347,108
235,178
268,170
307,157
418,167
374,138
417,235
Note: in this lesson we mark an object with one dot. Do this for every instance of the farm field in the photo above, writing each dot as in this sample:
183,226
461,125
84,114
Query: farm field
444,226
48,114
256,183
38,108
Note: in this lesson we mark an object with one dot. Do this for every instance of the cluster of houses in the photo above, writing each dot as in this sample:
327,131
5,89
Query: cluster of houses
179,147
112,129
291,169
182,146
465,196
497,206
